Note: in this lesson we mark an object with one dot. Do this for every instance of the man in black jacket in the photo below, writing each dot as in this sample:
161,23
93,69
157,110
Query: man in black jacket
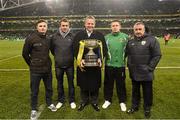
36,54
62,49
143,53
89,78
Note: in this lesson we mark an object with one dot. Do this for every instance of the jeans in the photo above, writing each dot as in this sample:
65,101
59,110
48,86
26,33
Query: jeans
60,87
35,79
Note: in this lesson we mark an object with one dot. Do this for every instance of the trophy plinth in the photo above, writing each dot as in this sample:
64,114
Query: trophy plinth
91,59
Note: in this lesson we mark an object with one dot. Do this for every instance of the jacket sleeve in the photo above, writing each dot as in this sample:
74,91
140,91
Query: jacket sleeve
155,54
51,44
104,45
76,45
105,49
126,49
26,51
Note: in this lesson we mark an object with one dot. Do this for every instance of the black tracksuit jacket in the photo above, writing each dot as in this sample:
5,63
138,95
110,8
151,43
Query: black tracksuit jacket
62,49
143,56
36,53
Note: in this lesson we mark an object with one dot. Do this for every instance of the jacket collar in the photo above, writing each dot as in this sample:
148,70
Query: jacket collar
40,34
64,34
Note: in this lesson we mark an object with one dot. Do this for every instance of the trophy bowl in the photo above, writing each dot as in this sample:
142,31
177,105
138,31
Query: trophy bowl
91,59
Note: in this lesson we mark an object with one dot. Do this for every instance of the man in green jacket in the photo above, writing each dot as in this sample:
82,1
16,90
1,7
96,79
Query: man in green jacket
115,66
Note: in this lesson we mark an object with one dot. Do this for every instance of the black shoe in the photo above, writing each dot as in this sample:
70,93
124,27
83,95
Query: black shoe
82,106
147,114
95,106
132,110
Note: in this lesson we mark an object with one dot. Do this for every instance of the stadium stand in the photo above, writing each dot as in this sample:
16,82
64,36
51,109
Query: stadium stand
158,16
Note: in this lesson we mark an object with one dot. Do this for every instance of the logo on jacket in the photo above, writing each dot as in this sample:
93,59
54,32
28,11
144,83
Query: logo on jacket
143,42
37,44
132,44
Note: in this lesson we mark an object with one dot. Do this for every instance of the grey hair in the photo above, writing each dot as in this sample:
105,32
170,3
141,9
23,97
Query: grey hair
139,23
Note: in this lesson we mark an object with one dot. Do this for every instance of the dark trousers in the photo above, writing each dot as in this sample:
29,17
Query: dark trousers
115,74
35,79
91,96
147,93
70,77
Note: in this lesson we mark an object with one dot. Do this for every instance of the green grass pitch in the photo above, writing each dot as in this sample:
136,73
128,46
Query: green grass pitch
15,90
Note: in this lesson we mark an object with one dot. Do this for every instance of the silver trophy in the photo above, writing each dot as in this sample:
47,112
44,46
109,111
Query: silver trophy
91,59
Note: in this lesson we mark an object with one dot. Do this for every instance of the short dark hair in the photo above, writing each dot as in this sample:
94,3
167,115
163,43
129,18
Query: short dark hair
63,20
40,21
116,20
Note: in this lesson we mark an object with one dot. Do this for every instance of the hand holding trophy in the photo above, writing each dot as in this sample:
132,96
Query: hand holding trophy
92,59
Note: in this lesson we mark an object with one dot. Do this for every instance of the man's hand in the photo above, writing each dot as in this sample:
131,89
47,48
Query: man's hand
82,63
99,62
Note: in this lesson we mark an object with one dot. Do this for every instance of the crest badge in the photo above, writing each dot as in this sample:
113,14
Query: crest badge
143,42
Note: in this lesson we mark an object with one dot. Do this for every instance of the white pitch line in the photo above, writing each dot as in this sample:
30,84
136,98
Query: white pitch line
2,60
40,110
173,47
9,70
167,67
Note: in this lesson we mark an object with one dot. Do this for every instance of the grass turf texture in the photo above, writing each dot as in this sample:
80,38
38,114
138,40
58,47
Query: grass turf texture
15,90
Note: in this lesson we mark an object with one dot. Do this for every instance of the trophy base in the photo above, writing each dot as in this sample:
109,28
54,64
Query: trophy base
91,64
91,61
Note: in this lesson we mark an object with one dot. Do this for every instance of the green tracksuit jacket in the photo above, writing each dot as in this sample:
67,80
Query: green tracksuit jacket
116,43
